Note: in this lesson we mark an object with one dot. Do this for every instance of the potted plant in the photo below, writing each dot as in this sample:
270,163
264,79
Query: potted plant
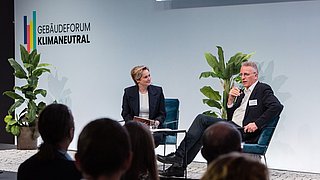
227,73
24,124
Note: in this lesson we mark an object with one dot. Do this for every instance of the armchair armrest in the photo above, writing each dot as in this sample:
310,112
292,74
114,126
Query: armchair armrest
166,124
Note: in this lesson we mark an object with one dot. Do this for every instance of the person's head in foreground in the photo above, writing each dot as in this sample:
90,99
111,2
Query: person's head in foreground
56,128
144,164
104,150
236,166
220,138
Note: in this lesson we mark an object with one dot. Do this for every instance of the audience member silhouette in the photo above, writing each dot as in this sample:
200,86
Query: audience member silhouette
56,128
220,138
143,166
104,150
236,166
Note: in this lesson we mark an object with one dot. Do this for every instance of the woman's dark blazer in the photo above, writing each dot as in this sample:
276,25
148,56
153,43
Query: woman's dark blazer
131,104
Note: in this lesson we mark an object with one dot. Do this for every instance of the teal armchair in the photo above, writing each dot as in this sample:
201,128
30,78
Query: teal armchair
264,140
171,122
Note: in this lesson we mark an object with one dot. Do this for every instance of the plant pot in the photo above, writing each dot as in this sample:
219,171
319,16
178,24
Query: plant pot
27,140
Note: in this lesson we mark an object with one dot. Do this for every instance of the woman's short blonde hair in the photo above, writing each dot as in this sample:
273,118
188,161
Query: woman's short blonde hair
136,73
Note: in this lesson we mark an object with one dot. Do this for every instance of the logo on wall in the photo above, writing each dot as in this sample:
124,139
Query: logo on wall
29,32
54,33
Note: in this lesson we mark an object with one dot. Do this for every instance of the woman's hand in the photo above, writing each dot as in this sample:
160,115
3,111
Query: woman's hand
156,123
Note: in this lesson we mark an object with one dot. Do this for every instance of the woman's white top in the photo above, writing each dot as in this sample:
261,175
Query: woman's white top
144,105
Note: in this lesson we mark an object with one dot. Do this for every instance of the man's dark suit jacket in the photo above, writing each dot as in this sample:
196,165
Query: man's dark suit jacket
266,108
131,104
58,168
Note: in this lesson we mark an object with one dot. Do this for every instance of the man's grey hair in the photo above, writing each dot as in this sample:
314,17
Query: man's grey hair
251,64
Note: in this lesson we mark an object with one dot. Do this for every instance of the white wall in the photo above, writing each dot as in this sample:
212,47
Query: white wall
90,77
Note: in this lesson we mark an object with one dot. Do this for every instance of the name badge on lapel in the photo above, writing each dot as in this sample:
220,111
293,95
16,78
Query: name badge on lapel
253,102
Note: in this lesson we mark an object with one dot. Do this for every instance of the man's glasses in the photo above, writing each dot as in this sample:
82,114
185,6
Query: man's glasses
246,74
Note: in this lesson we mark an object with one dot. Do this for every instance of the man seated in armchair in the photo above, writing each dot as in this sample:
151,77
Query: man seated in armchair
249,110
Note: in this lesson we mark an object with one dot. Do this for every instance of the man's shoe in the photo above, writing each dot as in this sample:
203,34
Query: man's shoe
171,154
172,159
173,170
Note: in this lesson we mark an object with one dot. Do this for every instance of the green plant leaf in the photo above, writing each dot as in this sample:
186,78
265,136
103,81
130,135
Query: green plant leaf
12,95
210,93
213,62
39,71
24,54
17,88
41,106
228,71
27,66
15,130
33,83
248,56
207,74
212,103
19,72
8,128
30,95
44,65
221,58
7,118
40,91
12,122
32,111
235,58
235,68
35,61
26,87
33,55
15,105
